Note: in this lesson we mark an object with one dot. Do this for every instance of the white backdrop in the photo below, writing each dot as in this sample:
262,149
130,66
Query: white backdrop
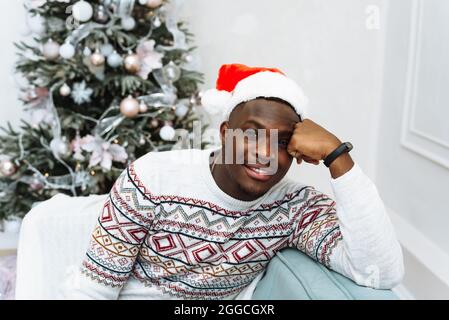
332,50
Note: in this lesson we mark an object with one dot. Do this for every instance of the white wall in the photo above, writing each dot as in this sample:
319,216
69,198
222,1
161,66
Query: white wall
413,186
12,27
323,45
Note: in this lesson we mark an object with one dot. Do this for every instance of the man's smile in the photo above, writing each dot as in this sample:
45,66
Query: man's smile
258,172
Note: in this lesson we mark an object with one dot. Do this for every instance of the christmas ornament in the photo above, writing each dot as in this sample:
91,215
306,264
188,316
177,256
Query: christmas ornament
154,123
142,140
87,52
148,57
153,3
143,107
36,184
181,110
129,107
128,23
167,133
81,93
191,62
188,58
51,50
115,60
101,14
157,22
65,90
103,152
36,24
75,147
106,49
171,71
195,99
82,11
7,168
132,63
60,147
150,14
97,59
67,50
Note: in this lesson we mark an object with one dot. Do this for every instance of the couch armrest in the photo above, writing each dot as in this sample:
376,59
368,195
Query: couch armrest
293,275
53,239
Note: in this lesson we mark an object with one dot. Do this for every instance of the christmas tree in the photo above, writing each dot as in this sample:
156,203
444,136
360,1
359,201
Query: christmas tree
105,82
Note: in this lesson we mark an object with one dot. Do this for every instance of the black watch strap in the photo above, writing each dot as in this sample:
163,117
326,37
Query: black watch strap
343,148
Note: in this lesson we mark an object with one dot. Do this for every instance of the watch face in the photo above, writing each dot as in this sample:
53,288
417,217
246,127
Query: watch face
349,145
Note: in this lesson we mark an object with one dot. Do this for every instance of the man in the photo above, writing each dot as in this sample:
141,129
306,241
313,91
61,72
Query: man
204,224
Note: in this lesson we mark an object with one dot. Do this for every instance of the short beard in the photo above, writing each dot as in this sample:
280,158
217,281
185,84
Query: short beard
249,191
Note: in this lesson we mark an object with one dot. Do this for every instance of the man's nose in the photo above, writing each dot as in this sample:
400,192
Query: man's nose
264,151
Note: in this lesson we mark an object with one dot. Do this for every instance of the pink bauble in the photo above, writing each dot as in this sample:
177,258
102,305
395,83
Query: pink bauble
129,107
143,107
51,50
97,59
153,3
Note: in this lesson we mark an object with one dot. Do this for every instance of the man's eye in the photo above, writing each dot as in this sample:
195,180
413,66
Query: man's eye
283,143
251,132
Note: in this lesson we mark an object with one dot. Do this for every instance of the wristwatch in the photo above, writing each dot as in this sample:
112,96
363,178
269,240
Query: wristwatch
345,147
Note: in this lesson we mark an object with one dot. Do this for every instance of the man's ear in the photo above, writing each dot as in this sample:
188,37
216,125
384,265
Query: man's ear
223,127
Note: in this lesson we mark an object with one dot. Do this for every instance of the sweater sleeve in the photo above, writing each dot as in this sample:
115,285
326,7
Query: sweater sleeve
352,235
121,228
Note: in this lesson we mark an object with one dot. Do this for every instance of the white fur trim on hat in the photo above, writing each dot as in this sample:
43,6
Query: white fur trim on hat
268,84
214,101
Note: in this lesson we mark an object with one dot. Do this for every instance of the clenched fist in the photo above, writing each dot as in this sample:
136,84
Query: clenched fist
312,143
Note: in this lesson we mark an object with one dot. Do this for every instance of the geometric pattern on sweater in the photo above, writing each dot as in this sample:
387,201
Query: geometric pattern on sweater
194,249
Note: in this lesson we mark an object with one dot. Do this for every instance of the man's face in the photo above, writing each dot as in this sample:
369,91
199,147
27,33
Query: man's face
250,174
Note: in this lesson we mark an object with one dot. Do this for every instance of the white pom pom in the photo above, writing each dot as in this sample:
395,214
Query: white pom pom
215,101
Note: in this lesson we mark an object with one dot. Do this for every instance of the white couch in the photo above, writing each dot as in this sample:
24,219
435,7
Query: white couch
53,240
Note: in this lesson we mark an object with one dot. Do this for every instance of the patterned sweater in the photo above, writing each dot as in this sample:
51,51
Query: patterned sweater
167,231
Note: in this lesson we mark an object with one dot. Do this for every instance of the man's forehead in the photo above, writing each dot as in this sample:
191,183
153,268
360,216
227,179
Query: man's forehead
267,114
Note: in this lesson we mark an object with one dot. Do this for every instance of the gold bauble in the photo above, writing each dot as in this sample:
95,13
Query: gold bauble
132,63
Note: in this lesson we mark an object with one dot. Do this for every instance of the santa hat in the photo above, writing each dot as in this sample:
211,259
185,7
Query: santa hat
237,83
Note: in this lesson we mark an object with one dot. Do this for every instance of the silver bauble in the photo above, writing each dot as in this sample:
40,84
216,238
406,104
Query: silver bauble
101,14
172,72
115,60
7,168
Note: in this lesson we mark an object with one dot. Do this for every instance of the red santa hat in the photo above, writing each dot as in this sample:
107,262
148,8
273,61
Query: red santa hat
237,83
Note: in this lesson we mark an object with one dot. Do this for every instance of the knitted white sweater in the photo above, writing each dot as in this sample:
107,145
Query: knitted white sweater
167,231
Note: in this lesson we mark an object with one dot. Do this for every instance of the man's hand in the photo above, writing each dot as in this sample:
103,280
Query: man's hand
312,143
